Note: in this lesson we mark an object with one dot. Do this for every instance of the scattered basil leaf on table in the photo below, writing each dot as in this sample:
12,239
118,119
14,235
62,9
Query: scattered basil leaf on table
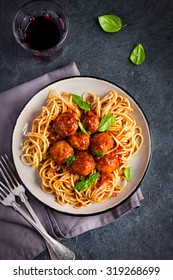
106,122
70,160
82,128
86,183
137,55
127,173
79,101
110,23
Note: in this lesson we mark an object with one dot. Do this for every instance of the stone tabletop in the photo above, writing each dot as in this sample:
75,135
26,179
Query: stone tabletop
146,233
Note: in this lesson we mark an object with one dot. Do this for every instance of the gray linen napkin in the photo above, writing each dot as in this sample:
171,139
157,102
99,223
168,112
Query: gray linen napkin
18,240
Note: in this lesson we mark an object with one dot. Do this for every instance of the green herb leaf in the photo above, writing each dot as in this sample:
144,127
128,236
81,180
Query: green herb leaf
100,154
92,177
79,101
82,128
106,122
137,55
84,184
110,23
82,179
127,173
70,160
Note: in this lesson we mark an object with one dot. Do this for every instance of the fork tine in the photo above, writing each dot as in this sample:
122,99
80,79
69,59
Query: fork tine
4,187
2,190
7,198
7,169
7,160
6,177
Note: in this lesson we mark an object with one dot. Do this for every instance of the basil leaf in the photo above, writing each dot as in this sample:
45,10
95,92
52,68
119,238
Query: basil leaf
100,154
110,23
127,173
92,177
137,55
79,101
106,122
70,160
82,185
86,183
82,179
82,128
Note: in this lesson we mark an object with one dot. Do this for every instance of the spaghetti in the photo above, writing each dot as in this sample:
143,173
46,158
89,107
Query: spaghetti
60,178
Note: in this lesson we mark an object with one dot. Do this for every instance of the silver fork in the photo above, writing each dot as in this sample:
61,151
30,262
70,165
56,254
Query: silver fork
56,249
18,190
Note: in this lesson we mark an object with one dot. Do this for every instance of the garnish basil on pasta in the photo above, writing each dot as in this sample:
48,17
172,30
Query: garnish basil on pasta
69,146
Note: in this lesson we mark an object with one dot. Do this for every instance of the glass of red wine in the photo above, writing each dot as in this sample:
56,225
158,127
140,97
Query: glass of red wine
41,27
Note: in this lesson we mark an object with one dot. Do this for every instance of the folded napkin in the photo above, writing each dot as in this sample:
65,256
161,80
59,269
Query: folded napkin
18,240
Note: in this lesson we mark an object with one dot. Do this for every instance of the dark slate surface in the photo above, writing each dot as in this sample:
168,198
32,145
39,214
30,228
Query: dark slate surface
146,233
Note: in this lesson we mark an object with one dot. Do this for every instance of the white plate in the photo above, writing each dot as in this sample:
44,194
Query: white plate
78,85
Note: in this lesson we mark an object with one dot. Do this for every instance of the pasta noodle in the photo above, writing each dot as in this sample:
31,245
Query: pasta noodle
58,179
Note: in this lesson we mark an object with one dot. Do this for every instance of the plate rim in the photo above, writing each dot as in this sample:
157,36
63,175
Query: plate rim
150,146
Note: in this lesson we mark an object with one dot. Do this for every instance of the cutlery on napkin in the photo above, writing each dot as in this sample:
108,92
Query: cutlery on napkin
10,188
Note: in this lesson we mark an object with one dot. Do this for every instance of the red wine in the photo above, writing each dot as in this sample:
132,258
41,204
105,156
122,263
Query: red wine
42,33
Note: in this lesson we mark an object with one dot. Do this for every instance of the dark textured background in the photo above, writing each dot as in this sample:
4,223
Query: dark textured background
146,233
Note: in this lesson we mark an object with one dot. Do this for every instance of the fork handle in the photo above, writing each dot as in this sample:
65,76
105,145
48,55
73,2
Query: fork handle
24,199
60,250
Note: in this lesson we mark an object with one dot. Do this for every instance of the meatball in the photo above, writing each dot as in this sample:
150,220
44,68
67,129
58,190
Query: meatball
91,122
66,124
83,165
101,142
79,141
60,151
107,163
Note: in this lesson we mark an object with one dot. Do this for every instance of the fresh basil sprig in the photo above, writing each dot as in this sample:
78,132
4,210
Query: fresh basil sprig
137,55
111,23
70,160
106,122
79,101
127,173
82,128
86,183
